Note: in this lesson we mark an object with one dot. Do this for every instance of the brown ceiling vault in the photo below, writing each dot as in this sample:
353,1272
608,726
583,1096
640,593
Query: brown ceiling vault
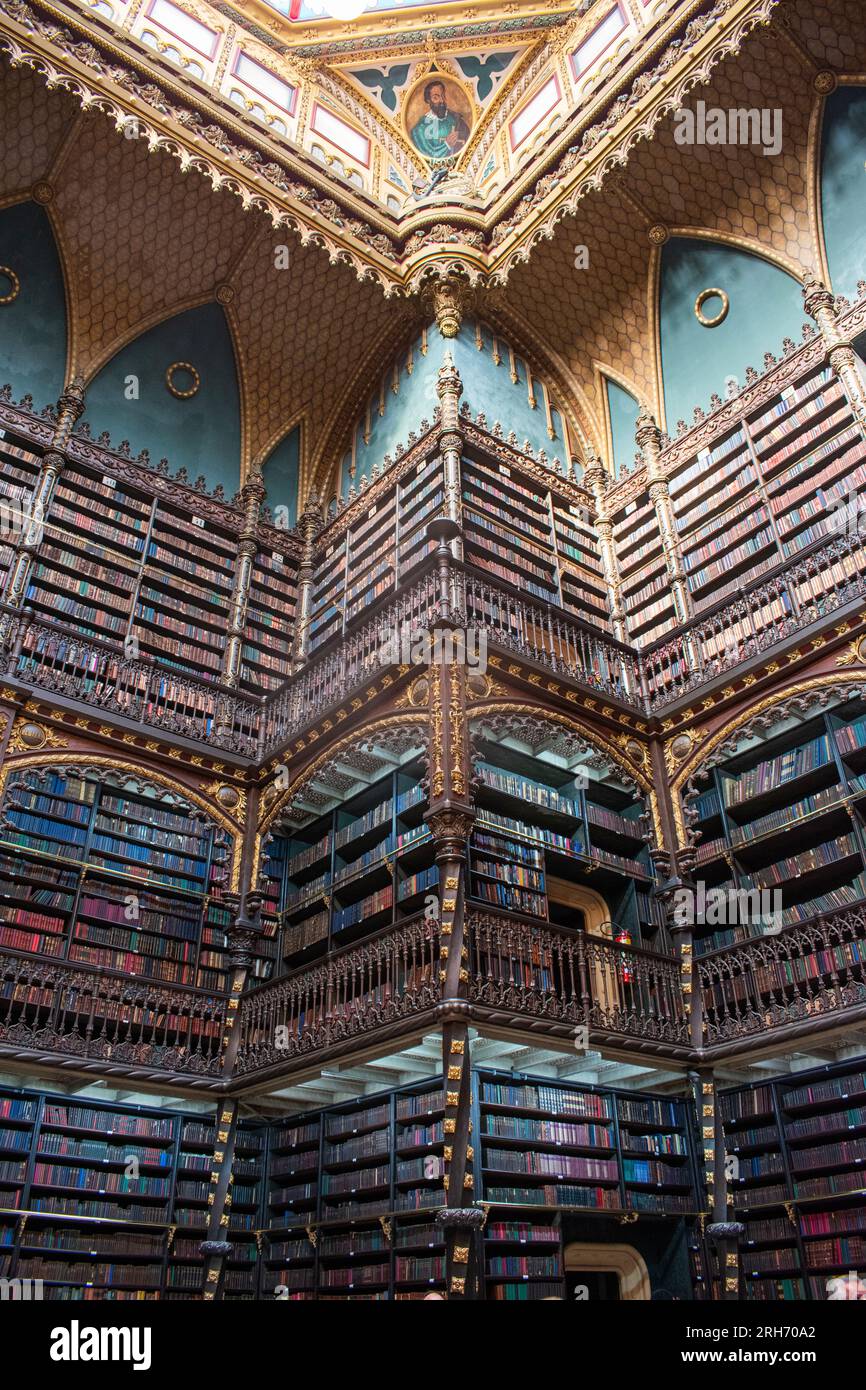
142,240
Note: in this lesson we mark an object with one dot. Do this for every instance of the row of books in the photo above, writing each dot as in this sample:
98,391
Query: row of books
775,772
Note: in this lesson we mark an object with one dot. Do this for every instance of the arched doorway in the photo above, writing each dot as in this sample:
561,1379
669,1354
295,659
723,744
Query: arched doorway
608,1272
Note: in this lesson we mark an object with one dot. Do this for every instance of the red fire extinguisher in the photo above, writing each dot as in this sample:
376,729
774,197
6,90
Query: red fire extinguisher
623,938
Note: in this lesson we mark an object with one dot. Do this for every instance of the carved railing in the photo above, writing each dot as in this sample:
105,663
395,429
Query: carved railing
804,973
806,590
347,664
53,657
543,633
57,1008
569,977
357,991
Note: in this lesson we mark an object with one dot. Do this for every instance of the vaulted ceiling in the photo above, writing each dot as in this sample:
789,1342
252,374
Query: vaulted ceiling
176,211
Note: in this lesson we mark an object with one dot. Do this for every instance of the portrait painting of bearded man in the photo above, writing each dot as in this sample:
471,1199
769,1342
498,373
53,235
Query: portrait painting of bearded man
438,118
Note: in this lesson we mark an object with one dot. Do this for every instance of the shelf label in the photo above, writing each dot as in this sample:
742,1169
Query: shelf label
109,482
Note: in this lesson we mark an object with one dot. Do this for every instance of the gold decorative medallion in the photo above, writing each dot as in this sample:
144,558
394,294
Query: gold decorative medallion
177,391
711,321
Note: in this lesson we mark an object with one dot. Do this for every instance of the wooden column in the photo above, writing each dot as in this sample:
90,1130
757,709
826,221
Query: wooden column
217,1247
820,305
252,496
244,932
449,388
649,441
309,526
721,1231
596,479
450,817
69,409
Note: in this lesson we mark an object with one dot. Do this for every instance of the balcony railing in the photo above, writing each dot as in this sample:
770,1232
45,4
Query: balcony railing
539,973
521,974
804,973
359,991
346,665
51,656
808,588
545,634
55,1008
55,658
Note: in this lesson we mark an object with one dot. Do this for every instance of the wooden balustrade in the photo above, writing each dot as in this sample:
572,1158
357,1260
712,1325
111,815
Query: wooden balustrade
52,1007
55,658
808,588
366,987
804,972
569,977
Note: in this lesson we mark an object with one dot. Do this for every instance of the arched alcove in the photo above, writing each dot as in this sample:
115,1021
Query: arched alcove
33,316
720,310
174,391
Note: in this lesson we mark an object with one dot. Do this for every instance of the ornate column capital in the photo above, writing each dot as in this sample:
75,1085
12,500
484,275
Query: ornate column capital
70,408
818,300
246,927
449,296
646,431
595,475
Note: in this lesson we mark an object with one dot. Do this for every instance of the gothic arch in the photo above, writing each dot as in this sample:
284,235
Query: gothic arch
803,698
399,733
529,717
101,763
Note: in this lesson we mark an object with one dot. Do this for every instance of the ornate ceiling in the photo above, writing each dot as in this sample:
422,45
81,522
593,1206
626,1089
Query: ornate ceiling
174,169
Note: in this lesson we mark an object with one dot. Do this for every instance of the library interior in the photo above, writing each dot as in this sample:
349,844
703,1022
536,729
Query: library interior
433,765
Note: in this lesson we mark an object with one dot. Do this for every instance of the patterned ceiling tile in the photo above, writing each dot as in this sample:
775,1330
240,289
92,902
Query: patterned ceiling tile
31,129
147,240
738,190
305,334
598,313
832,30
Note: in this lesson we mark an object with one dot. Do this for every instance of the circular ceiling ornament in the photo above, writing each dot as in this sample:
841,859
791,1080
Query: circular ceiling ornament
225,294
43,193
6,273
705,320
177,391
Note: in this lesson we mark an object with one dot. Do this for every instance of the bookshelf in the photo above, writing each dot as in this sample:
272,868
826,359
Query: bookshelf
550,1148
540,828
19,472
115,875
100,1187
534,537
363,865
271,614
800,1146
761,493
787,814
148,566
